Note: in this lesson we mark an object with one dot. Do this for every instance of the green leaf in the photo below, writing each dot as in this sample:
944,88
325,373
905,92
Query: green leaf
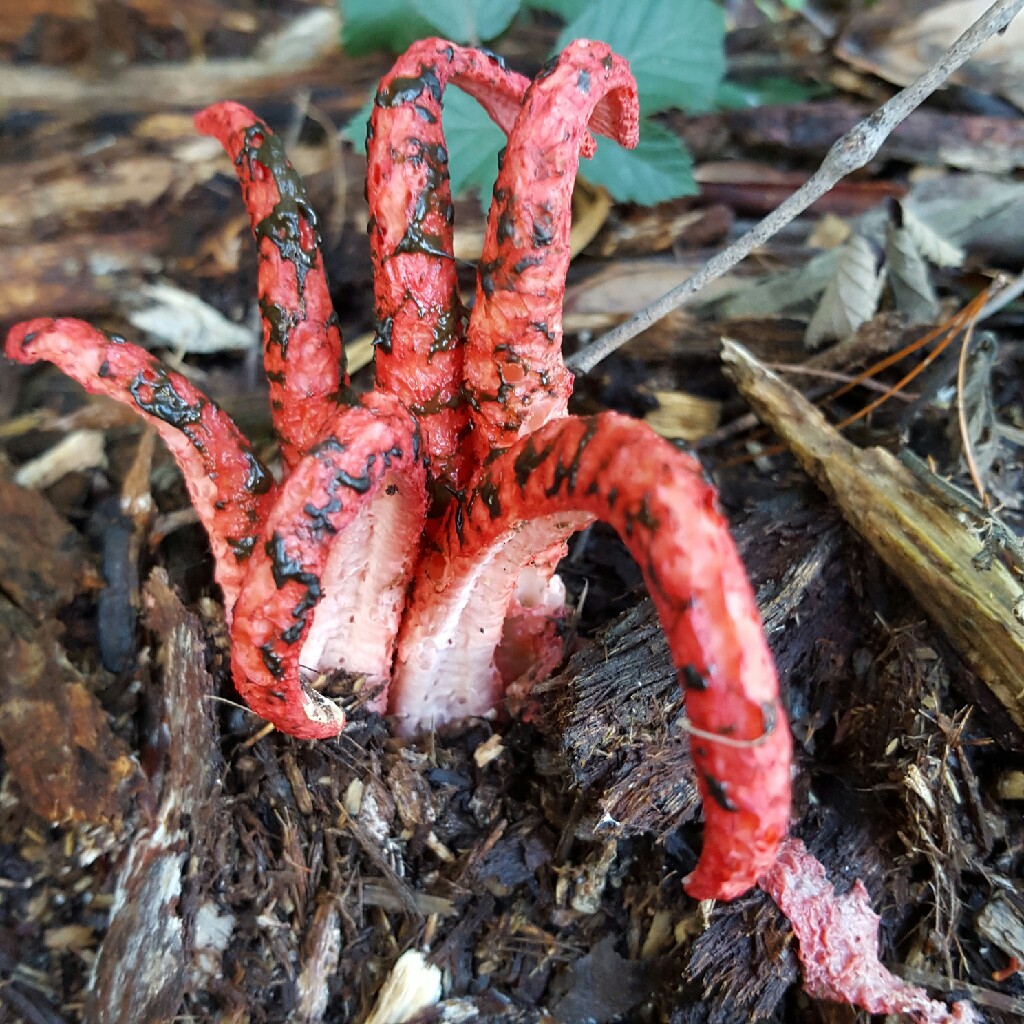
675,47
368,25
769,91
355,130
565,9
468,21
658,169
473,141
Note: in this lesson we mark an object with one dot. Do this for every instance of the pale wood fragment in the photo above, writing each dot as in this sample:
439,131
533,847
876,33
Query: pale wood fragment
933,546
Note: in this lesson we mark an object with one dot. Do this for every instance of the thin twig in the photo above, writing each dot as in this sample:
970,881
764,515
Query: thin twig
833,375
961,415
855,149
1003,298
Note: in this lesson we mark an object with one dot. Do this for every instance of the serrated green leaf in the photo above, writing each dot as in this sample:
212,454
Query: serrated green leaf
468,21
473,141
565,9
658,169
368,25
675,47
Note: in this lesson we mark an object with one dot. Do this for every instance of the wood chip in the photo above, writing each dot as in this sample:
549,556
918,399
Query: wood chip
79,451
412,987
140,971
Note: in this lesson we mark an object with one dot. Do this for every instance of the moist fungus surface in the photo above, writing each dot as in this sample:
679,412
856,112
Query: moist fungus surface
414,536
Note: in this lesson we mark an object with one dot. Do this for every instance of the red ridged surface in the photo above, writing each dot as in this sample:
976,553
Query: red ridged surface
515,377
420,331
616,469
365,448
229,487
302,347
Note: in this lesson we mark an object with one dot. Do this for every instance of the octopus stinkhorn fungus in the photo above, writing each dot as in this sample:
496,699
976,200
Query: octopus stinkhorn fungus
414,536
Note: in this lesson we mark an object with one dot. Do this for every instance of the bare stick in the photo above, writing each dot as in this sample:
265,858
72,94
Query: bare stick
848,154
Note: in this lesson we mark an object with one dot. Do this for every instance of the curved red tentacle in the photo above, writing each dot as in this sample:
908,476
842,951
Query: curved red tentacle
302,346
536,494
327,583
515,377
229,486
420,330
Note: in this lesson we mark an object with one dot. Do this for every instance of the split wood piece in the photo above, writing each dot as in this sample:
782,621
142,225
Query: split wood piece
43,562
924,542
141,970
56,737
1001,922
82,773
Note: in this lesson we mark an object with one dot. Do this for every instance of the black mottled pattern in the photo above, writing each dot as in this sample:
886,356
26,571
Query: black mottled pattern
719,792
568,473
164,402
693,679
409,88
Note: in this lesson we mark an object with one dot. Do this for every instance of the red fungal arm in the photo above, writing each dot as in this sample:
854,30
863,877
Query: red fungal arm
515,378
420,332
302,348
229,487
328,579
536,494
838,938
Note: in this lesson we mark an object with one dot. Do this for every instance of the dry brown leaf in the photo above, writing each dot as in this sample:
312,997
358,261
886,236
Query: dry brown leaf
899,41
909,276
43,561
934,247
182,321
80,450
851,295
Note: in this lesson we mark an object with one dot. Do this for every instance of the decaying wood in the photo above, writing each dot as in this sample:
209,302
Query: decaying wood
283,61
43,561
621,722
141,968
1001,921
82,772
56,737
965,141
935,550
617,704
